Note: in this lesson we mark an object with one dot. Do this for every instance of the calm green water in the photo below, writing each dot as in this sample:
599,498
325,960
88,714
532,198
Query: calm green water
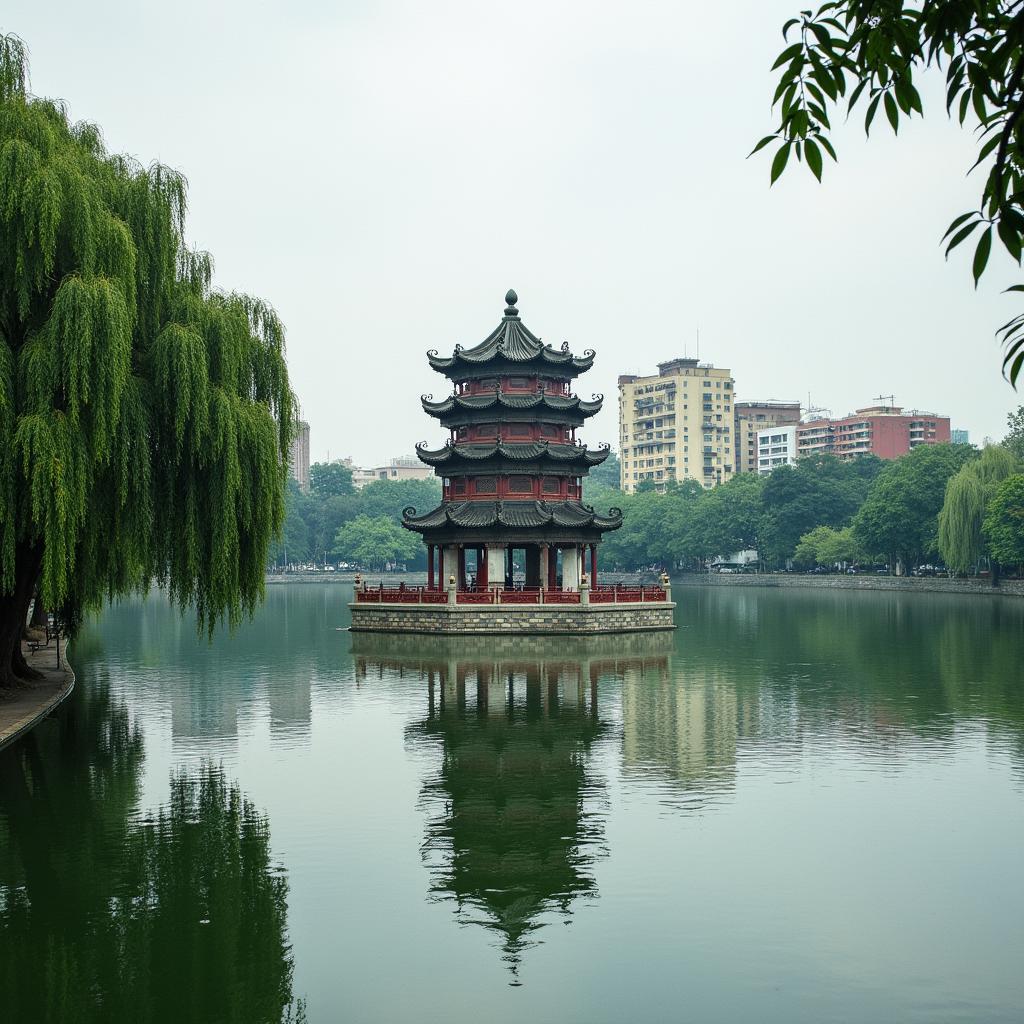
799,807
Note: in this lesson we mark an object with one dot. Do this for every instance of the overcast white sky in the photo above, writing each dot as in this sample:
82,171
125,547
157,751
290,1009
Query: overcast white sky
383,172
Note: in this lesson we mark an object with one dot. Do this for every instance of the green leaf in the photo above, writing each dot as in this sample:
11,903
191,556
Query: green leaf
978,99
985,150
787,55
1010,239
819,114
956,223
827,146
821,34
892,112
981,255
764,142
870,116
779,163
813,155
855,95
960,236
965,102
1015,359
789,24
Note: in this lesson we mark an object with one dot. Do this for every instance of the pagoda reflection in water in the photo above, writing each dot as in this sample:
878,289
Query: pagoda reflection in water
515,812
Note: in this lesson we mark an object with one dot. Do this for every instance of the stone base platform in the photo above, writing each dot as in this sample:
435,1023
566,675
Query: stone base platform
515,619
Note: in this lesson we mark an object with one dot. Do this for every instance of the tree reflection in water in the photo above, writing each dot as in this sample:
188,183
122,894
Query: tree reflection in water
515,813
108,917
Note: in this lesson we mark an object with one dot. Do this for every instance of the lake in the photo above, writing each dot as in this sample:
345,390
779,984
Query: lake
799,806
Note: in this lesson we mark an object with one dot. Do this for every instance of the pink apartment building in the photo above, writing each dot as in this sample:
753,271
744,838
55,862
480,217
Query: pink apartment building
883,430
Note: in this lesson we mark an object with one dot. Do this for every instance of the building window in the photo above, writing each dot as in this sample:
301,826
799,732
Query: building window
552,484
486,485
520,485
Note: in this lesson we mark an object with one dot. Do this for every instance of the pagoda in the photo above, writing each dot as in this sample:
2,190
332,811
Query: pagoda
512,468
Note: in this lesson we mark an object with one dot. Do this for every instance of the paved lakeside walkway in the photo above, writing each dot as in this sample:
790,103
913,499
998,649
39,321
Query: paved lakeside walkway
903,584
22,710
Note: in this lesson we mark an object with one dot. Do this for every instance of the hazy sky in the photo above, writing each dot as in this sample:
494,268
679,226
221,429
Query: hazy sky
383,172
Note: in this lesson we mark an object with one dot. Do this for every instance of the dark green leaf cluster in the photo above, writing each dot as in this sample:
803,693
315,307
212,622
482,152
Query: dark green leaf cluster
312,522
900,517
689,525
330,479
1004,522
968,495
144,418
869,50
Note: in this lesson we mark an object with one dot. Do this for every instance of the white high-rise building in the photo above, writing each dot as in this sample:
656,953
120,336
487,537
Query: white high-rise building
776,446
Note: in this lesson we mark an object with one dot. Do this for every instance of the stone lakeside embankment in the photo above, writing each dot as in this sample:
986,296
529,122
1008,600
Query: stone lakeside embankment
902,584
516,619
22,710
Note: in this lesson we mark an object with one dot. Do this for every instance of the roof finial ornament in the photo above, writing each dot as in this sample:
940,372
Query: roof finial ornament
510,303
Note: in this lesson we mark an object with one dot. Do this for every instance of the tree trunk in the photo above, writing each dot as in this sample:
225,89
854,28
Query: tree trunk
993,566
39,617
14,670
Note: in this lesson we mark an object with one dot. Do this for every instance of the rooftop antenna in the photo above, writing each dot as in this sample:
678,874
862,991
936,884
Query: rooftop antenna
698,344
882,398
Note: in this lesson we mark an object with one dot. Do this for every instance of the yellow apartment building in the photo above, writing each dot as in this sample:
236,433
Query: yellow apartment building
677,425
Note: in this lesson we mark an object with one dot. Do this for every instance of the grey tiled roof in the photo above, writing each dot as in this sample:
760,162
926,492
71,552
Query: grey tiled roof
514,452
515,514
512,341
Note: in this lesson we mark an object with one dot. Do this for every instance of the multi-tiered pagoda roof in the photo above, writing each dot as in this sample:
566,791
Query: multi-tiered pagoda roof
512,467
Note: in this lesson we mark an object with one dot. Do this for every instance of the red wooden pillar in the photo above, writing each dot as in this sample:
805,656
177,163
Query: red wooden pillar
461,582
593,566
430,567
552,566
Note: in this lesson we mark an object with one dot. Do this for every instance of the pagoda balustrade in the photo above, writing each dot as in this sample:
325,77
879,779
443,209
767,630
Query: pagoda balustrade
514,432
515,385
612,593
519,488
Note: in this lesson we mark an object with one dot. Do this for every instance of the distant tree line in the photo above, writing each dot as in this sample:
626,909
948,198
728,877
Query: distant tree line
947,502
336,523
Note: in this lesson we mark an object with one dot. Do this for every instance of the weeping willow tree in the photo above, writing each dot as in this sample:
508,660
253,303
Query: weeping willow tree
144,418
968,493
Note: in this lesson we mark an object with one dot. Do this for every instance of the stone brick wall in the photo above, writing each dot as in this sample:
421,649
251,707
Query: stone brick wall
512,619
911,584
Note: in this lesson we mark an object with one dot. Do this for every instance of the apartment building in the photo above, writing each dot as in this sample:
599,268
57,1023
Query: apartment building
776,446
883,430
298,457
677,425
752,417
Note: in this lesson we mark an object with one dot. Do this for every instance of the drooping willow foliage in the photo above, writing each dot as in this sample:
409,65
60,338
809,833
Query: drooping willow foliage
144,418
968,493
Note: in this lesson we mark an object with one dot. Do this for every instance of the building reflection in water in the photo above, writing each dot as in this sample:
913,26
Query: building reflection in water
515,811
108,916
684,732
